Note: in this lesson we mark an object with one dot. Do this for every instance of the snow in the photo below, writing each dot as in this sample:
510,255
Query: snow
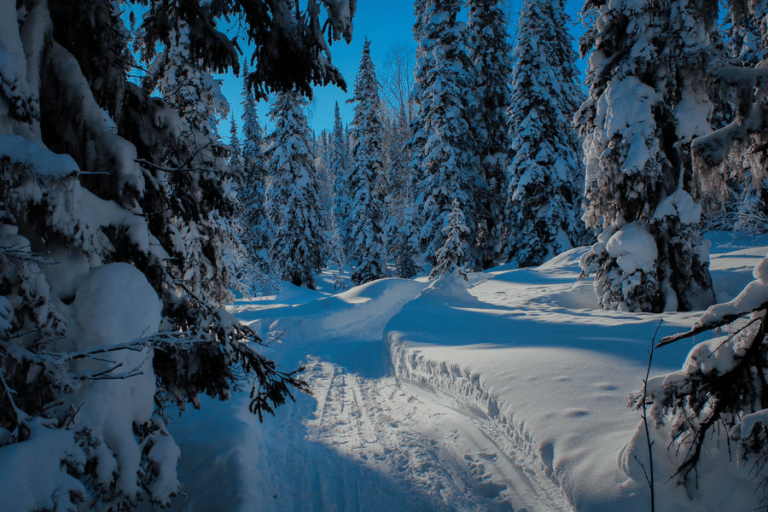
33,470
508,392
114,305
681,205
633,247
38,159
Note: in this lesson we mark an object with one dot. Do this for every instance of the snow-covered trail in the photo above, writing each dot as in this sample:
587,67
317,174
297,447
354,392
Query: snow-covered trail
405,450
508,396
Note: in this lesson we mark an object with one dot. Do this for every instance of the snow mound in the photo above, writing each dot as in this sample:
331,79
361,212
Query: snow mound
633,247
681,205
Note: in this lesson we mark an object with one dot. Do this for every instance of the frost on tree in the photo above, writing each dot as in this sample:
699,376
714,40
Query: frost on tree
367,207
447,169
116,240
256,270
490,53
545,172
298,247
646,102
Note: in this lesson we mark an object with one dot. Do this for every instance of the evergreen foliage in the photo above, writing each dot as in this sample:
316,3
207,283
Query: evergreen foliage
256,270
450,257
545,172
235,155
118,247
490,53
339,169
367,222
643,109
298,247
446,165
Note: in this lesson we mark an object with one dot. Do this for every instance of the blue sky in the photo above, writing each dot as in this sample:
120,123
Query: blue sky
386,24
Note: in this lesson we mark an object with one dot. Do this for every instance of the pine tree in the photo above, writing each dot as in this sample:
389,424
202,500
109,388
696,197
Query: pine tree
298,247
125,192
643,109
445,163
366,229
545,172
490,53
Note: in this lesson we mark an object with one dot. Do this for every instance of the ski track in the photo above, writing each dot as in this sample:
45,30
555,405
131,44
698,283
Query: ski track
449,459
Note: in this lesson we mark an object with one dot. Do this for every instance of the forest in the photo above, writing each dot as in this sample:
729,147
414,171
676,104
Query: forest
496,238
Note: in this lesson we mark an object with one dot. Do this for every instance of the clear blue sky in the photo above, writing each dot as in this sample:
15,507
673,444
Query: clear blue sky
386,24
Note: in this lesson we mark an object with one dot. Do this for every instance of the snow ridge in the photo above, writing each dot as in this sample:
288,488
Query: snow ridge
468,392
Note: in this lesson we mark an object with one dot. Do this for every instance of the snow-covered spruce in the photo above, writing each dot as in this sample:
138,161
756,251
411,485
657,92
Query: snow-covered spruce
545,172
116,241
256,269
365,178
719,396
339,169
298,247
646,102
447,169
451,256
490,53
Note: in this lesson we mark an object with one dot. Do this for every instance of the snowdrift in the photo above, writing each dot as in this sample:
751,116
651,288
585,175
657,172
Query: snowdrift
508,393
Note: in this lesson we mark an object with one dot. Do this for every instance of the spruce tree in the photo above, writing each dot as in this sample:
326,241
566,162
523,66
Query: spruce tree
646,101
451,256
235,157
367,222
417,177
490,53
298,247
399,233
256,228
446,169
545,172
340,172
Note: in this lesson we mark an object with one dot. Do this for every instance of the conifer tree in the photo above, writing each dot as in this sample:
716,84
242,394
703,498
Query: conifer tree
644,107
235,157
451,256
417,177
446,161
340,172
298,246
545,171
490,53
125,192
256,228
367,223
399,232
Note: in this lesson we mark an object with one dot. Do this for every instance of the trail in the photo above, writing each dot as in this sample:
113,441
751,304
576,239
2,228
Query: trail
508,395
395,448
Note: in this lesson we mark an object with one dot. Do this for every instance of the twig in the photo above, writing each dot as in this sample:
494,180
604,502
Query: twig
649,443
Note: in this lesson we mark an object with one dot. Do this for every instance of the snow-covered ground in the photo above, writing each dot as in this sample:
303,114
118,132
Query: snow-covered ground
509,395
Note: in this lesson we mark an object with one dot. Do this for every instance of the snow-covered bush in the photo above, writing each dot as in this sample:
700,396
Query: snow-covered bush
117,244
